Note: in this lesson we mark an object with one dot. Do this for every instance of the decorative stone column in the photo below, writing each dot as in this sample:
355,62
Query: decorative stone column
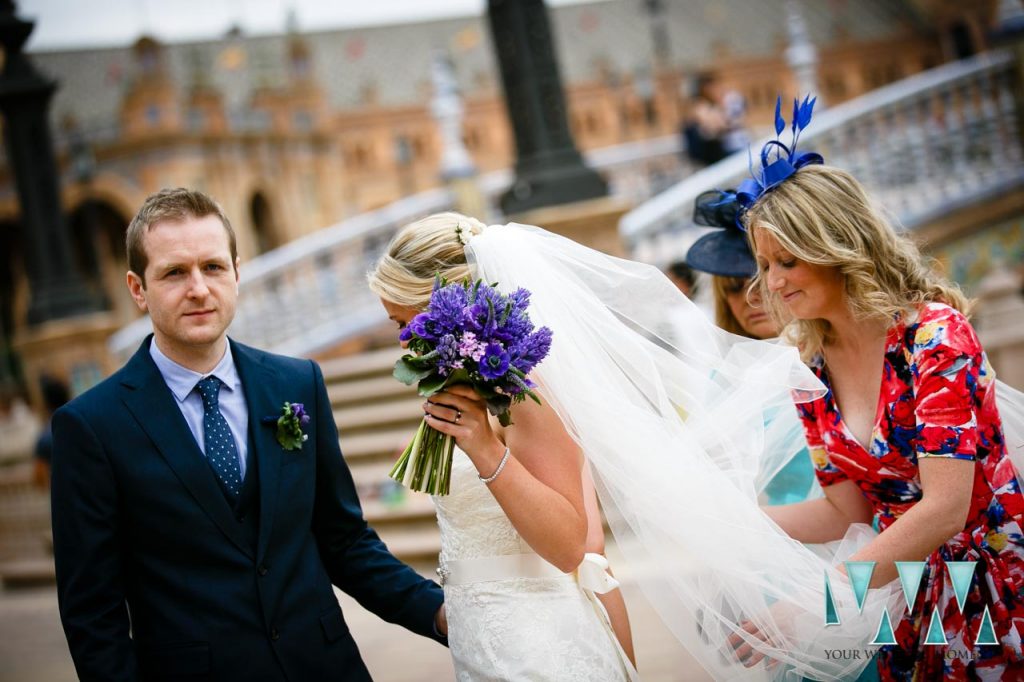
801,55
457,168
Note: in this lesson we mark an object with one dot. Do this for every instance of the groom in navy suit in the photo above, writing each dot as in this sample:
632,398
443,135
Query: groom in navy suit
195,537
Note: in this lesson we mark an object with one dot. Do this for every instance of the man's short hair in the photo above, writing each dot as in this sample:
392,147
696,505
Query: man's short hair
174,205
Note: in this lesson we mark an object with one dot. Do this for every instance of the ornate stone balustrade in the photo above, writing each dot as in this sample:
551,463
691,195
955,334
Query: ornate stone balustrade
923,146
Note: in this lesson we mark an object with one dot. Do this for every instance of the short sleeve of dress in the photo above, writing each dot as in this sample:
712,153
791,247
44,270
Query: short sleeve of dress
945,364
827,472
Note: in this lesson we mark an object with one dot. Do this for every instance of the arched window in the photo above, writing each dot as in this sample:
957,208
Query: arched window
264,229
97,241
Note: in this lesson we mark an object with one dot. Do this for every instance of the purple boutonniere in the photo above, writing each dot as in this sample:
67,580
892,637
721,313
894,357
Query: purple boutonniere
289,426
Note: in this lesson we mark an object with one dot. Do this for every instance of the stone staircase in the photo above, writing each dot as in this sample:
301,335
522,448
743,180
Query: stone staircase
26,546
376,416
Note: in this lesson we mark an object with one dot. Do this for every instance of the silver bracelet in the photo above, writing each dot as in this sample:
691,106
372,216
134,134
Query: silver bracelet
501,465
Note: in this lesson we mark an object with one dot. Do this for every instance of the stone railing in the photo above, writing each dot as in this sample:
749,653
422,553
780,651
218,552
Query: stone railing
311,293
923,147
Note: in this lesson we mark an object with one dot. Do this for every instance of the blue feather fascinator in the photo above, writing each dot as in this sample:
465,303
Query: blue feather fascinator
725,208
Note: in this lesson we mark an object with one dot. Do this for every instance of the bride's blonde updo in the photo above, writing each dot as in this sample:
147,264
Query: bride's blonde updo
420,251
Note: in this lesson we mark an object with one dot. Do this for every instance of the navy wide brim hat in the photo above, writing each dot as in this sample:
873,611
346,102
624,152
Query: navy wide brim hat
723,252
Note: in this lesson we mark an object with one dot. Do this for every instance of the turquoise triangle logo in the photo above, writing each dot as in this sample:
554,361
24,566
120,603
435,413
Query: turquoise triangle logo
859,573
960,574
986,633
831,612
911,573
936,635
885,634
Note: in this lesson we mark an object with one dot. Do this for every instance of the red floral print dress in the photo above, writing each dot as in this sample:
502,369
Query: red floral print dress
937,400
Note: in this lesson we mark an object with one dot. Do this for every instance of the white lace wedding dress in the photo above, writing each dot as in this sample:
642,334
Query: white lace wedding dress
513,628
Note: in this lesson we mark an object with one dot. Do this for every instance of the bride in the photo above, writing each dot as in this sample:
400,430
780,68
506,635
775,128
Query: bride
522,516
674,433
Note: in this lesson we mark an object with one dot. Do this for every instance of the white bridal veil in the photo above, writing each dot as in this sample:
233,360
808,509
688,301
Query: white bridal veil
671,413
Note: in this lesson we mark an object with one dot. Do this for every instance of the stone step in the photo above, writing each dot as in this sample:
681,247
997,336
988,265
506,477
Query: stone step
370,476
28,572
383,444
413,545
412,508
377,416
371,363
374,389
388,505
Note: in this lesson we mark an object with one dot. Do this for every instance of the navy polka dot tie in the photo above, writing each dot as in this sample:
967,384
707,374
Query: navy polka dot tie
220,444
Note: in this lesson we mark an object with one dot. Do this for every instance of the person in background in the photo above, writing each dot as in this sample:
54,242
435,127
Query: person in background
683,277
705,130
725,255
19,425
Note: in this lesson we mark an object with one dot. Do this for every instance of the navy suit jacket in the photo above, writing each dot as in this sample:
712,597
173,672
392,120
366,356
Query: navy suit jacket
159,577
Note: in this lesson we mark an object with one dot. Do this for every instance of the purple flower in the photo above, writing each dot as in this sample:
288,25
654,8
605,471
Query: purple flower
425,327
470,347
494,363
299,410
514,329
448,354
517,386
446,306
531,350
520,300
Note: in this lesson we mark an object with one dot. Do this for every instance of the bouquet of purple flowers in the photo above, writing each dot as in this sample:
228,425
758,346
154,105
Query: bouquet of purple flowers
469,334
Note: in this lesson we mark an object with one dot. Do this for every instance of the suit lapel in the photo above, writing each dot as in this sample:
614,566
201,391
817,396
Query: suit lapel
146,396
263,399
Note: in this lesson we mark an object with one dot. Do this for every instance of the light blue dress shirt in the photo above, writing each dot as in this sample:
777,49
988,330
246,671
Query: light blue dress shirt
182,382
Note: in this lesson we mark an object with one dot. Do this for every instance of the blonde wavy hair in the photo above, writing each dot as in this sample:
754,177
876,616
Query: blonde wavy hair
822,215
431,246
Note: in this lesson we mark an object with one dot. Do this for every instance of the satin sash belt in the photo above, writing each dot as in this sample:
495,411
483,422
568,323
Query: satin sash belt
592,572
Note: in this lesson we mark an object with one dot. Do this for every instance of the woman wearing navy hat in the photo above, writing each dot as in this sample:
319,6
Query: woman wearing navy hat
725,255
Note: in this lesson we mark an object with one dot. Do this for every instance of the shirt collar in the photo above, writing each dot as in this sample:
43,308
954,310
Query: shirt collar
182,380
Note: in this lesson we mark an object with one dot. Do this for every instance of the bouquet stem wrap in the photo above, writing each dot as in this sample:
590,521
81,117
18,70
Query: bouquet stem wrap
426,463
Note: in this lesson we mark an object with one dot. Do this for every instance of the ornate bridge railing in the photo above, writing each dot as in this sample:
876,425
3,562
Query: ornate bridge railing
923,146
311,293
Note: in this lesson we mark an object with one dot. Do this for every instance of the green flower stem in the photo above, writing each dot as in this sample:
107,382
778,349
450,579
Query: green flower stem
426,463
446,468
407,462
421,459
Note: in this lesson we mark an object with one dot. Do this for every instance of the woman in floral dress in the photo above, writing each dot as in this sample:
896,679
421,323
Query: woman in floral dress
908,436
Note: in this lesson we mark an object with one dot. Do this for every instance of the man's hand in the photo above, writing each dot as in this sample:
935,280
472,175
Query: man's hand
441,622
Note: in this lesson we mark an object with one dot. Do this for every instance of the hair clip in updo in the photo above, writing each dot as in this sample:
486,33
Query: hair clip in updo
463,233
731,205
